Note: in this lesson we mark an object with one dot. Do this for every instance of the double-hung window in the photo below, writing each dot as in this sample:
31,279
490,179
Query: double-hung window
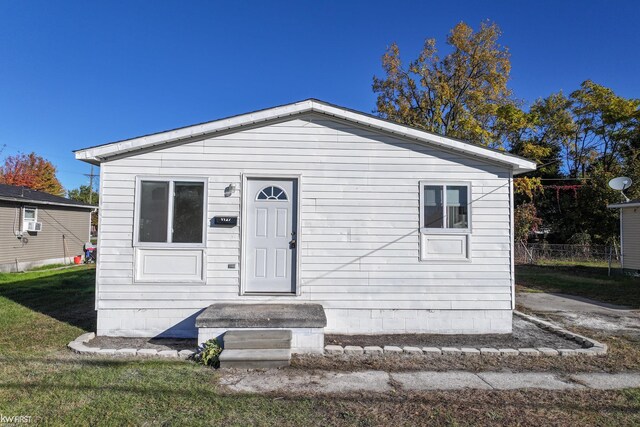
170,211
445,221
445,207
29,215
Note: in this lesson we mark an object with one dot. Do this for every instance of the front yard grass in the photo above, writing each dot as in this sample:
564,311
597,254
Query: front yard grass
588,280
41,311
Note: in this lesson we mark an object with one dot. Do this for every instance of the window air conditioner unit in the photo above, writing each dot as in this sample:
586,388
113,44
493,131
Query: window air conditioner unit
34,226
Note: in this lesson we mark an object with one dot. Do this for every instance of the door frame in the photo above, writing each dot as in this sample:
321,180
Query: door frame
243,216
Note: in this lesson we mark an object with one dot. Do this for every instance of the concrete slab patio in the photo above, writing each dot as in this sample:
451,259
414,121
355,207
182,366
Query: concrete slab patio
299,381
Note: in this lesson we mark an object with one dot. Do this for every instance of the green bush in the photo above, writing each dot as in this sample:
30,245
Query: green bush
209,353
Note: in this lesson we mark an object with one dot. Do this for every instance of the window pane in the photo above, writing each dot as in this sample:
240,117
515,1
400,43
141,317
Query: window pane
433,206
154,210
29,214
457,208
188,204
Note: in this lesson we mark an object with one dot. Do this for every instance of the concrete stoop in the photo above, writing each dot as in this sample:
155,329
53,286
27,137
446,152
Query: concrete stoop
256,349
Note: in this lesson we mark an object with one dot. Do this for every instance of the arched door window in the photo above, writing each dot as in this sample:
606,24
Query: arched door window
272,193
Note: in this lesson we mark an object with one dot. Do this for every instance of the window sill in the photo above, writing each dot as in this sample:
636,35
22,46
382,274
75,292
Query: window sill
445,231
149,245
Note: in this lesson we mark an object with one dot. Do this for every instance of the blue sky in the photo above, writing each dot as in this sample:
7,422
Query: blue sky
79,73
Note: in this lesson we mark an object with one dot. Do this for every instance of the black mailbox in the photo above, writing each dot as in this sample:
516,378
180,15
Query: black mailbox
225,220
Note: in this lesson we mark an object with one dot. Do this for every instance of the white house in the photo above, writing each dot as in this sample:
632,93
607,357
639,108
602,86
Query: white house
629,235
391,229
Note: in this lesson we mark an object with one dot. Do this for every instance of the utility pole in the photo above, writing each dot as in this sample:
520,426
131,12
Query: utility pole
90,175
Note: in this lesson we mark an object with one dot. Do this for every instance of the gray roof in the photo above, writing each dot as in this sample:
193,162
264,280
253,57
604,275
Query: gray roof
630,204
23,194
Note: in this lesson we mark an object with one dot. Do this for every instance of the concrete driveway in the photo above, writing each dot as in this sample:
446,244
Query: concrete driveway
584,312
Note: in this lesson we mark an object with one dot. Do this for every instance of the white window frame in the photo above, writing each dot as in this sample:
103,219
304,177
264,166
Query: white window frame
171,180
35,216
445,230
25,220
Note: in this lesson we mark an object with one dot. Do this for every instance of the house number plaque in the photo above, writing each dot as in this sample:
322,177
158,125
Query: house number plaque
225,220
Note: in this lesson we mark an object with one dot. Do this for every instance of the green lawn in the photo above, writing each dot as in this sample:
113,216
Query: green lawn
582,279
41,311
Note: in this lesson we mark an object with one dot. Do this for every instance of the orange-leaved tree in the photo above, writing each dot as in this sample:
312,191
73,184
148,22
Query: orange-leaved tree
31,171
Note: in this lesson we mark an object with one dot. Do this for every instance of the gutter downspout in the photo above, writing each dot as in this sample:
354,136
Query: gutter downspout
621,239
512,243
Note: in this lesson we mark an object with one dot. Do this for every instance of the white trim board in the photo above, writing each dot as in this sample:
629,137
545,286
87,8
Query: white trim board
98,154
243,215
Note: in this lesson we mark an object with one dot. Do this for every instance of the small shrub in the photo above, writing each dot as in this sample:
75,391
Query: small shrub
209,353
581,238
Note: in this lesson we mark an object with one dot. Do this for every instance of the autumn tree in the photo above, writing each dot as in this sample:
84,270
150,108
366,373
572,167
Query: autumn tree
580,141
539,134
591,126
458,95
31,171
604,124
526,219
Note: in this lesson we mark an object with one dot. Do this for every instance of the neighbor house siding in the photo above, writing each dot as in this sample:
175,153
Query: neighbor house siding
359,218
631,238
57,221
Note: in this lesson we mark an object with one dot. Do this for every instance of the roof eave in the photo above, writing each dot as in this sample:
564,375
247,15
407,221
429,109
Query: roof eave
41,202
624,205
96,155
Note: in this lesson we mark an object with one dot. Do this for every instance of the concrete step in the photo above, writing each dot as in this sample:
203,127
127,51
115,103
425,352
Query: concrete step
255,358
256,339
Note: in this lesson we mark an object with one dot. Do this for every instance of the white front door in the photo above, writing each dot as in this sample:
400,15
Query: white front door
270,237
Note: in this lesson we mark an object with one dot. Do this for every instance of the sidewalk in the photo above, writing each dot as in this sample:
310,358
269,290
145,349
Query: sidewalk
298,381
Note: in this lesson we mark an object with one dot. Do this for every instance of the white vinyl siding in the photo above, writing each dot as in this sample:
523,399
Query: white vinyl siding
630,240
359,220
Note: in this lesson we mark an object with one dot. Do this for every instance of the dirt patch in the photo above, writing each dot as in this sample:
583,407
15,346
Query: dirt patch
525,335
151,343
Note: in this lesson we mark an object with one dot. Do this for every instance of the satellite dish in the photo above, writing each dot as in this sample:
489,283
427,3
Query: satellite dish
621,183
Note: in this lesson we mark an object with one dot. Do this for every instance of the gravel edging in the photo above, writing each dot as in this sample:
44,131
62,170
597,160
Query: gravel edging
79,346
590,347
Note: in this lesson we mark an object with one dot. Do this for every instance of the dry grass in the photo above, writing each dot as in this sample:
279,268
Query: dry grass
586,280
475,408
42,311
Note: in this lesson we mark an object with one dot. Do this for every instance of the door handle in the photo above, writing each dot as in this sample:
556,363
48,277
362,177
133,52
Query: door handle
292,243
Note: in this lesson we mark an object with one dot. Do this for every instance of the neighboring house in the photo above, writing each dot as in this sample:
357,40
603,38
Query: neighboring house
390,228
39,228
629,234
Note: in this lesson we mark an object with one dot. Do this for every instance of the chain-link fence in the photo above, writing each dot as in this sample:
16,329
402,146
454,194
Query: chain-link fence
532,253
